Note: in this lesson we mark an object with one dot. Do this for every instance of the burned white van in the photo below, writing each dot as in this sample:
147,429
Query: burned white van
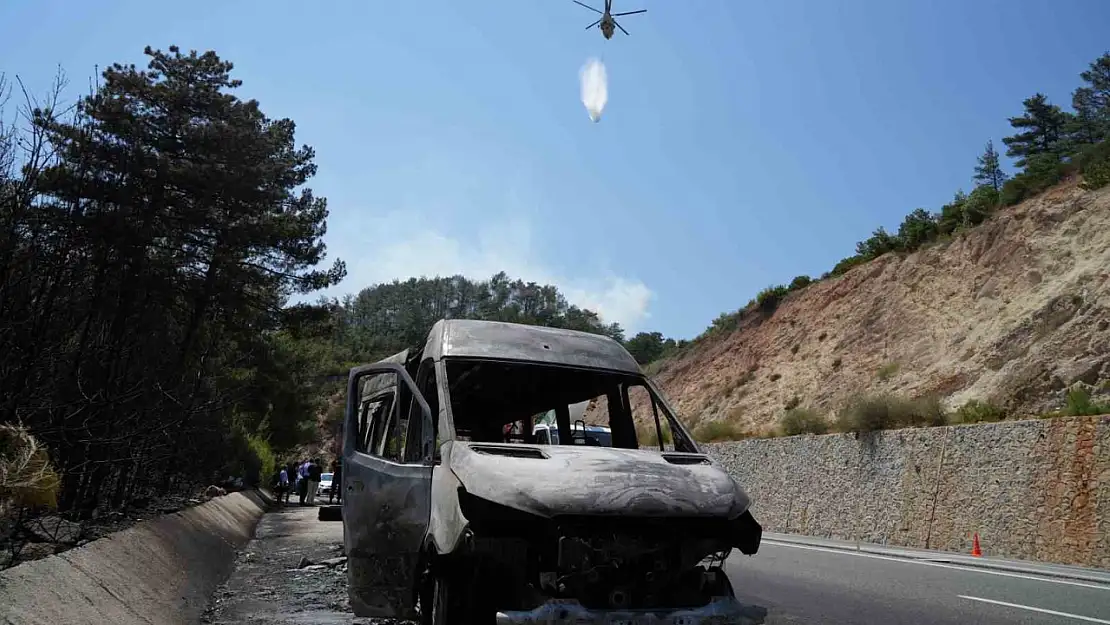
453,511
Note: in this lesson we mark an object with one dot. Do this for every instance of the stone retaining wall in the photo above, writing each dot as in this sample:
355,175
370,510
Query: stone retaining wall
159,572
1035,490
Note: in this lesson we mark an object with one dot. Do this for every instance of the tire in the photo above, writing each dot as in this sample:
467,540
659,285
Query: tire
723,585
449,601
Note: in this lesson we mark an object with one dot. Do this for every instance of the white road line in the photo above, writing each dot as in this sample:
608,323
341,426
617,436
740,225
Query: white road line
968,569
1079,617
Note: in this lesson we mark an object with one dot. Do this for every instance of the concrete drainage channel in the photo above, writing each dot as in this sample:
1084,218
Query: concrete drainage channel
159,572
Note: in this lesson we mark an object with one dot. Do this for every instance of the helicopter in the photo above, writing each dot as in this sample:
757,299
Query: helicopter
606,20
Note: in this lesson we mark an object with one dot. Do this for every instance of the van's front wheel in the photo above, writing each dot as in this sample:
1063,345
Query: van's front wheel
447,599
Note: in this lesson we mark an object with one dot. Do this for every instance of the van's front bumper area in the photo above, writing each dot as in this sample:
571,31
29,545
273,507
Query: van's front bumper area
719,611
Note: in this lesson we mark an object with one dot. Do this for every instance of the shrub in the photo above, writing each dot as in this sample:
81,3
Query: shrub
975,411
261,462
648,437
1041,172
1092,156
1079,404
980,204
925,411
917,229
846,265
1096,176
768,299
888,412
800,282
887,371
716,431
880,242
802,421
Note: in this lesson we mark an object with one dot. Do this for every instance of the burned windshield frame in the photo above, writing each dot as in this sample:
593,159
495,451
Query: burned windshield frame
681,439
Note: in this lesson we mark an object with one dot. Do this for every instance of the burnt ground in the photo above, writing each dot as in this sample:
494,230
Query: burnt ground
292,572
24,538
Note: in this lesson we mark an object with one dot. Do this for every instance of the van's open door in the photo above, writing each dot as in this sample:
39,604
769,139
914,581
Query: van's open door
387,479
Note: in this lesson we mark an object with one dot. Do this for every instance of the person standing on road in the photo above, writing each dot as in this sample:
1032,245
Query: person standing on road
314,474
302,481
291,471
283,486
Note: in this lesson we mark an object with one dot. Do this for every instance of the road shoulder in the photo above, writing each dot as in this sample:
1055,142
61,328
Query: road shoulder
946,557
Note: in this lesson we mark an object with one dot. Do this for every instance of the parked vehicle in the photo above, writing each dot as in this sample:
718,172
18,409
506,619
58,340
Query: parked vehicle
455,511
323,489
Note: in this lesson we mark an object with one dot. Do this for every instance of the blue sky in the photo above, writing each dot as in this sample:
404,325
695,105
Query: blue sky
744,142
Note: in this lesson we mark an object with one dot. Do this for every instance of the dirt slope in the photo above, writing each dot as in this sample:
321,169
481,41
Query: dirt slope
1012,311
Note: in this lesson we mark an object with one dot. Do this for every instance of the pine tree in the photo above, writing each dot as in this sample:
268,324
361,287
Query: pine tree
1098,79
1091,122
1041,129
989,170
1087,125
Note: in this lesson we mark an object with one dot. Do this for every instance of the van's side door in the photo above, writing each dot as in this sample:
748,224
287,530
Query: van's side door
387,497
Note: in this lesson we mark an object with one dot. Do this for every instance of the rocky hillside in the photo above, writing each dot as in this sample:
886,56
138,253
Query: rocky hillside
1012,311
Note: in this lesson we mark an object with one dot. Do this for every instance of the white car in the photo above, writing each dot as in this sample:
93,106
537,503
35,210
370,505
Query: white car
324,487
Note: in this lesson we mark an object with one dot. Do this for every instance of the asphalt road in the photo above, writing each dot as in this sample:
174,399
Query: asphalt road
784,583
807,583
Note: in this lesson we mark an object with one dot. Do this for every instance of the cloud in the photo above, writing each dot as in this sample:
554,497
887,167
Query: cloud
502,245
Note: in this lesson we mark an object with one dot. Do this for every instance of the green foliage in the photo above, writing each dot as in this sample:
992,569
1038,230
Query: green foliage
1094,163
648,347
988,171
888,412
802,421
1092,156
160,228
1097,176
846,265
800,282
384,319
979,205
768,299
880,242
1041,128
975,411
262,462
917,229
1042,171
1079,404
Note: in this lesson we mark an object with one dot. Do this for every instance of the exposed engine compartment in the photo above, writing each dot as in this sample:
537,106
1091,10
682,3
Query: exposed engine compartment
633,567
603,562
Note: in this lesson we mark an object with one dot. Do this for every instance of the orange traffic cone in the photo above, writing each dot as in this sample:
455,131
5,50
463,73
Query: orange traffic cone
975,550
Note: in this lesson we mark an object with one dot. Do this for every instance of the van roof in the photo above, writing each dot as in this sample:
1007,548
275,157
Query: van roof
468,338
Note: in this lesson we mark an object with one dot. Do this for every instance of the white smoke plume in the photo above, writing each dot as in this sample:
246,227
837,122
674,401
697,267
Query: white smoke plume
595,88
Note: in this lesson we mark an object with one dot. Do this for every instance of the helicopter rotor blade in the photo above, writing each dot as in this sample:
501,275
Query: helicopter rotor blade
620,27
594,24
587,6
630,12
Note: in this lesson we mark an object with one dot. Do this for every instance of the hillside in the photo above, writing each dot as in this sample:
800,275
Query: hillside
1011,311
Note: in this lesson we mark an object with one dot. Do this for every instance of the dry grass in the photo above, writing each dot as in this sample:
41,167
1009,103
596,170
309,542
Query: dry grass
890,412
717,431
26,478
